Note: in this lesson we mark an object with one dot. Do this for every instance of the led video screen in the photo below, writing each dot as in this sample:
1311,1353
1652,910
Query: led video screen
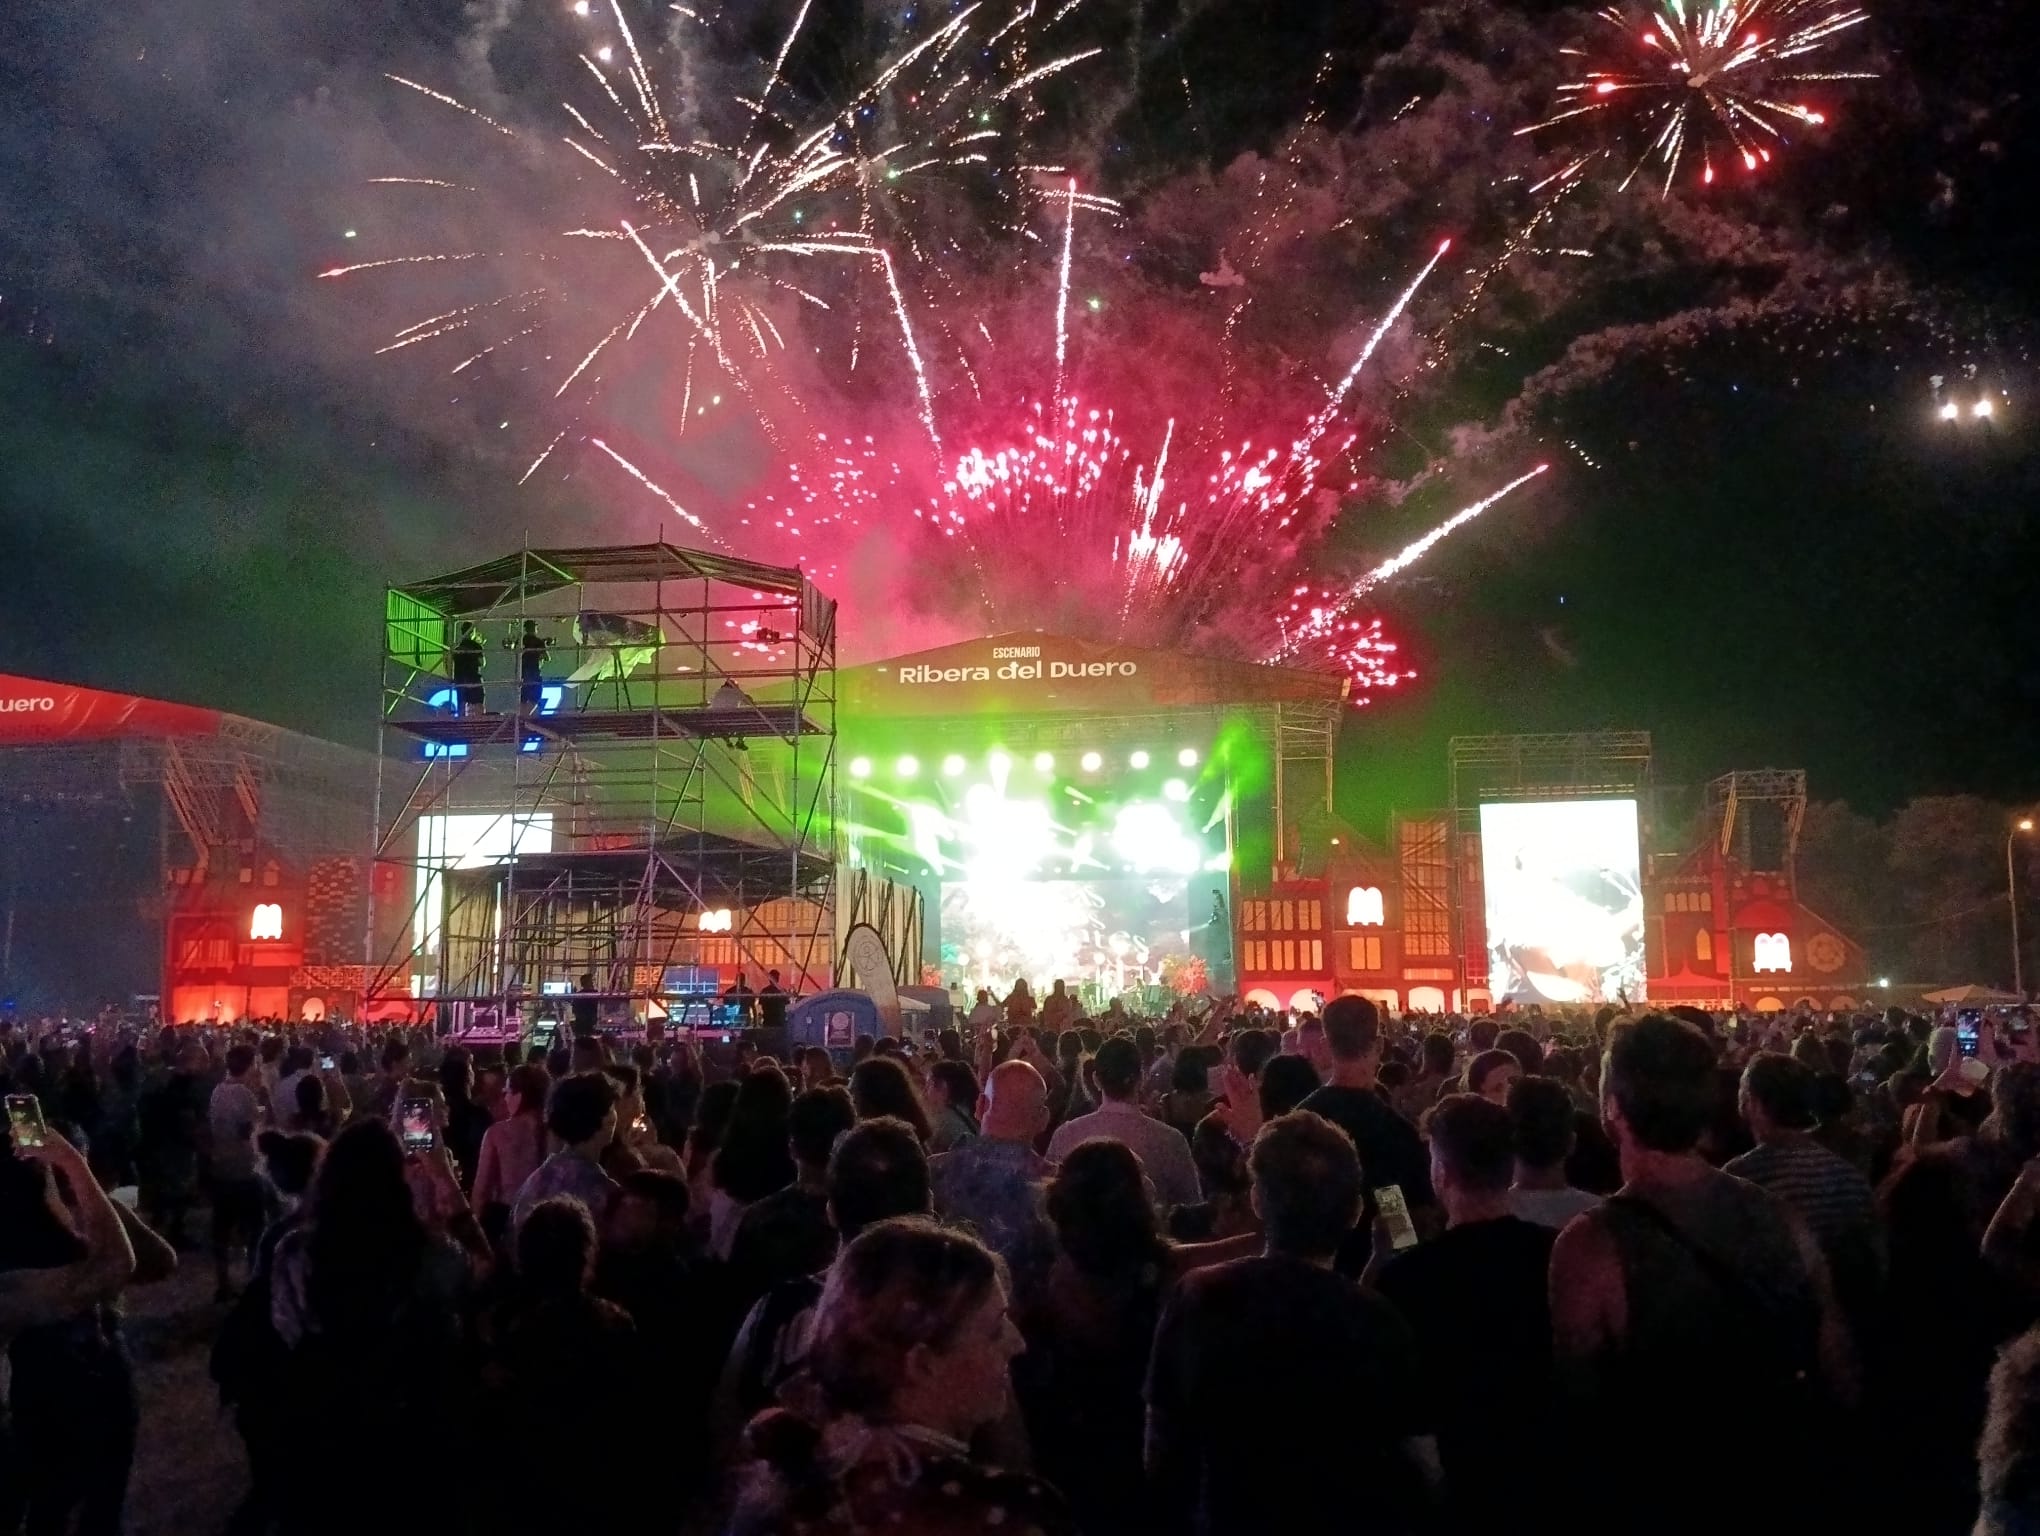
1106,872
1116,936
1564,901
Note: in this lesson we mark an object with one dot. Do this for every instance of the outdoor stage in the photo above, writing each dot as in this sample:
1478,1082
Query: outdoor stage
685,790
162,854
1081,811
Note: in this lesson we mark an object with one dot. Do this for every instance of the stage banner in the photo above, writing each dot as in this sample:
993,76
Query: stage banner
1030,673
37,712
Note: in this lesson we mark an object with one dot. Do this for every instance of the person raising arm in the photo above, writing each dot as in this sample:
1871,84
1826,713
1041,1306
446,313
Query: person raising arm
32,1296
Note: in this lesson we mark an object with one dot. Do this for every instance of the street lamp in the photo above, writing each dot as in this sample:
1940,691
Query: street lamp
2023,824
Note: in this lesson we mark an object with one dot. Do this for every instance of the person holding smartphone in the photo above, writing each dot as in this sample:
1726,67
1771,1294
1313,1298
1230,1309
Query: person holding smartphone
67,1251
1476,1297
30,1296
1390,1150
1284,1327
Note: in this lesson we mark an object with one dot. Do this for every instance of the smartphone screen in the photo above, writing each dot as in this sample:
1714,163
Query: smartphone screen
1966,1030
414,1125
325,1063
1395,1211
25,1121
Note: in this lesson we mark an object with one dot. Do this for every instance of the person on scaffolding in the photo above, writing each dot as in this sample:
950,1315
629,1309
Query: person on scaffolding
728,699
531,648
467,672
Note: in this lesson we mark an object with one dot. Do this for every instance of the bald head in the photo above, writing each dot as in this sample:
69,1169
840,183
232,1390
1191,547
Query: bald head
1015,1103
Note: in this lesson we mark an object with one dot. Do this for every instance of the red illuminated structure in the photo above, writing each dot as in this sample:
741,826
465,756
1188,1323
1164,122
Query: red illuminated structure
1404,922
213,862
1726,919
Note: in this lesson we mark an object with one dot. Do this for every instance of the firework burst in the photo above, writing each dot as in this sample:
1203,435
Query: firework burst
1715,84
1070,519
718,218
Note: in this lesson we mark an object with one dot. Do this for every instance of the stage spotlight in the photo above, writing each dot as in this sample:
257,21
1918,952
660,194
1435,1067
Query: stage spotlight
1138,760
1092,762
999,763
1187,758
907,767
1983,408
953,765
1951,411
860,767
1175,789
1044,762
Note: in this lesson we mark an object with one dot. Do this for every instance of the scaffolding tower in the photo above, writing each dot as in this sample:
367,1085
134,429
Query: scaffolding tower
1570,765
634,798
1754,816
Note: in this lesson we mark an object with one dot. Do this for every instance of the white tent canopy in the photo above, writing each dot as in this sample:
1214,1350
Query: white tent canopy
1972,996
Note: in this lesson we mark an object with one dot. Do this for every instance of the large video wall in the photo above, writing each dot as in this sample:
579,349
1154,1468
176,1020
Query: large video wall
1107,870
1564,894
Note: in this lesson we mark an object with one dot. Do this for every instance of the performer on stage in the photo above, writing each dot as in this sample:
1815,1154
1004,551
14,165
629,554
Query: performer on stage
467,672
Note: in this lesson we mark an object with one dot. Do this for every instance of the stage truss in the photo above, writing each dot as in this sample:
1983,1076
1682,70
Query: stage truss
1571,765
661,799
1754,816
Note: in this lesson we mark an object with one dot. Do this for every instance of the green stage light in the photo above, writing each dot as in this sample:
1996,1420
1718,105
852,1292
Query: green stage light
860,767
999,763
907,767
1093,762
1175,789
1138,760
953,765
1044,762
1187,758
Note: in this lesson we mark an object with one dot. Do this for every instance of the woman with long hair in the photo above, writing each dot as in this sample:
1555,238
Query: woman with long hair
879,1086
704,1137
753,1160
1019,1004
681,1083
817,1069
366,1302
1069,1062
909,1359
637,1143
1090,1329
954,1087
1089,1333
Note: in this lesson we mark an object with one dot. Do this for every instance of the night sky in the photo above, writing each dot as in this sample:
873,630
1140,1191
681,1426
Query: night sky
1777,556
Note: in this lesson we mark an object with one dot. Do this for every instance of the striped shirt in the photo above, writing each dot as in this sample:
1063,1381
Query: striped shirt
1829,1194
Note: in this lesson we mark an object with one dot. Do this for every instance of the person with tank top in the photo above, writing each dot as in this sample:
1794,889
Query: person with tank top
1692,1317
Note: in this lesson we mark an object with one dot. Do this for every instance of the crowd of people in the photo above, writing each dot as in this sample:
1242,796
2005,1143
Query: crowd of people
1230,1272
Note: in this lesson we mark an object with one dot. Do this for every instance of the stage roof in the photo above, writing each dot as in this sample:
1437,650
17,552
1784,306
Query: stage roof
529,572
1026,672
60,743
38,713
